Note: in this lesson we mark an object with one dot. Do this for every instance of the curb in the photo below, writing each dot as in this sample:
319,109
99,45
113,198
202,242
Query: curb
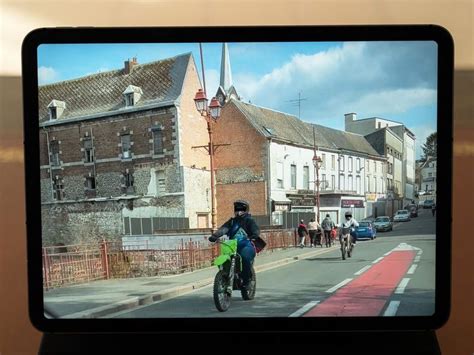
134,302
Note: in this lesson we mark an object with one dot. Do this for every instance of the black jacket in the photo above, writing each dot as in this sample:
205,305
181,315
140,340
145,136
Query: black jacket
247,223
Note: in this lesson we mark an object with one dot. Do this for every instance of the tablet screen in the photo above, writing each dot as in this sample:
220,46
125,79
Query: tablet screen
238,179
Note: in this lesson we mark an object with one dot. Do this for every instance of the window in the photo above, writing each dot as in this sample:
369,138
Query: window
306,177
58,188
160,182
358,164
358,185
379,125
293,176
323,158
368,183
430,174
341,162
324,183
280,175
333,162
351,187
129,100
341,182
375,184
90,182
53,113
126,146
54,147
127,182
157,141
350,164
333,182
375,166
88,150
381,184
367,164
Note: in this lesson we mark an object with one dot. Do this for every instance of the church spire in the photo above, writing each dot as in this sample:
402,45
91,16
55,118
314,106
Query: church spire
226,74
226,89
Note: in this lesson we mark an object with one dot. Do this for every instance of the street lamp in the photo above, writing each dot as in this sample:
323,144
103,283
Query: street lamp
317,161
211,114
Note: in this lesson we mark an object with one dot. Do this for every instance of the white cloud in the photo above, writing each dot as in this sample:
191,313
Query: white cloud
367,78
47,75
394,101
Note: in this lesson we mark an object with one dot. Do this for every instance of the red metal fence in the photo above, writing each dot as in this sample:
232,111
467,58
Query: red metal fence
75,264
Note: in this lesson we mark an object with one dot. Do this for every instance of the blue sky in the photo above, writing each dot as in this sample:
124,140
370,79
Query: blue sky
393,80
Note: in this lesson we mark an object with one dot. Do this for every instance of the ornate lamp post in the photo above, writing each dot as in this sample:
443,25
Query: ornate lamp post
211,113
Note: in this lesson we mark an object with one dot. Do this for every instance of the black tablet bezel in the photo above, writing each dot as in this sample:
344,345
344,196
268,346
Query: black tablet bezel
239,34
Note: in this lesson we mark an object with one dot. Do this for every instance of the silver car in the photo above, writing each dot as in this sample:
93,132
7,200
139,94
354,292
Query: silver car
402,216
383,224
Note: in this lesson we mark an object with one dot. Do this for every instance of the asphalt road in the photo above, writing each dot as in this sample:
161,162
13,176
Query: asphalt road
391,275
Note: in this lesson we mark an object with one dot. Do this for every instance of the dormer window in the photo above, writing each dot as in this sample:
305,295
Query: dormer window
56,109
132,95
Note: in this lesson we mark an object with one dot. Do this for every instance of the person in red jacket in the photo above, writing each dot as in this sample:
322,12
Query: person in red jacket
302,233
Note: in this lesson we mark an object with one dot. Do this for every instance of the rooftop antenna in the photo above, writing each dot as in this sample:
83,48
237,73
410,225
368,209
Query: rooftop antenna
298,102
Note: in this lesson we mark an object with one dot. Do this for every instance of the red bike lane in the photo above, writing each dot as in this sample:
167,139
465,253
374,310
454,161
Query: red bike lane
367,295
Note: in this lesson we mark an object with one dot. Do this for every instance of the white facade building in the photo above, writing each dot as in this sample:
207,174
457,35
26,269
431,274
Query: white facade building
344,176
428,176
368,126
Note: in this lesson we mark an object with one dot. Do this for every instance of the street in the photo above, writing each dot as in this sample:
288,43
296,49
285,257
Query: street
391,275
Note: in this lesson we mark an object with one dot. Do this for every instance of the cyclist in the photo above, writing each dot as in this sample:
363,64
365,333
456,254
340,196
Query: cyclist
346,227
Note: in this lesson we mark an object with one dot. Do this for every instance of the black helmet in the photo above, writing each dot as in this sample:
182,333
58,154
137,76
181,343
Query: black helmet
348,214
241,205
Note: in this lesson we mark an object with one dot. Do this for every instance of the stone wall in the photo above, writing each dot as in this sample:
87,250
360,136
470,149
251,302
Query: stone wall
80,223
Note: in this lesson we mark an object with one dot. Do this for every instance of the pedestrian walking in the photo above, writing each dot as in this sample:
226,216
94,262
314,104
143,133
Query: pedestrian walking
327,226
313,228
302,233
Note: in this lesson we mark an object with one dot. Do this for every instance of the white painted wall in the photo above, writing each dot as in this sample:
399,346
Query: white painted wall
282,156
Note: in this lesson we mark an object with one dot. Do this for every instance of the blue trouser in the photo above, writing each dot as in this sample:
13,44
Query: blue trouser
247,253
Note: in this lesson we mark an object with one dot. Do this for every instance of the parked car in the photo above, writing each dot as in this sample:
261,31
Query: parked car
402,216
428,203
383,224
365,230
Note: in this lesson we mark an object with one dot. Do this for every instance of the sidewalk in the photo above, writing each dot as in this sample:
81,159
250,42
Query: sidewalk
104,297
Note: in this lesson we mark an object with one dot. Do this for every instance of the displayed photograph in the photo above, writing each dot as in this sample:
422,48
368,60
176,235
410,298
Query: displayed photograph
279,179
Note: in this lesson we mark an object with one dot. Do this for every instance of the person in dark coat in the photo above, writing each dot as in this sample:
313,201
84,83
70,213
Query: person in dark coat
243,228
302,233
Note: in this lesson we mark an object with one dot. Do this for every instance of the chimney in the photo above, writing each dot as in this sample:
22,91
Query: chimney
348,119
129,64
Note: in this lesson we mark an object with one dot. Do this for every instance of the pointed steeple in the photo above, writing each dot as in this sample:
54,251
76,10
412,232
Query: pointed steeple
226,89
226,74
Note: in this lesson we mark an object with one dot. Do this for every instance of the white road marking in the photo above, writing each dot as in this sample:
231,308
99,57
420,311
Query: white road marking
391,309
388,253
417,259
304,309
420,252
377,260
412,269
401,286
363,269
339,285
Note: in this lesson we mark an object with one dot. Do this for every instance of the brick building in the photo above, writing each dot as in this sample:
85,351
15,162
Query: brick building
118,145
